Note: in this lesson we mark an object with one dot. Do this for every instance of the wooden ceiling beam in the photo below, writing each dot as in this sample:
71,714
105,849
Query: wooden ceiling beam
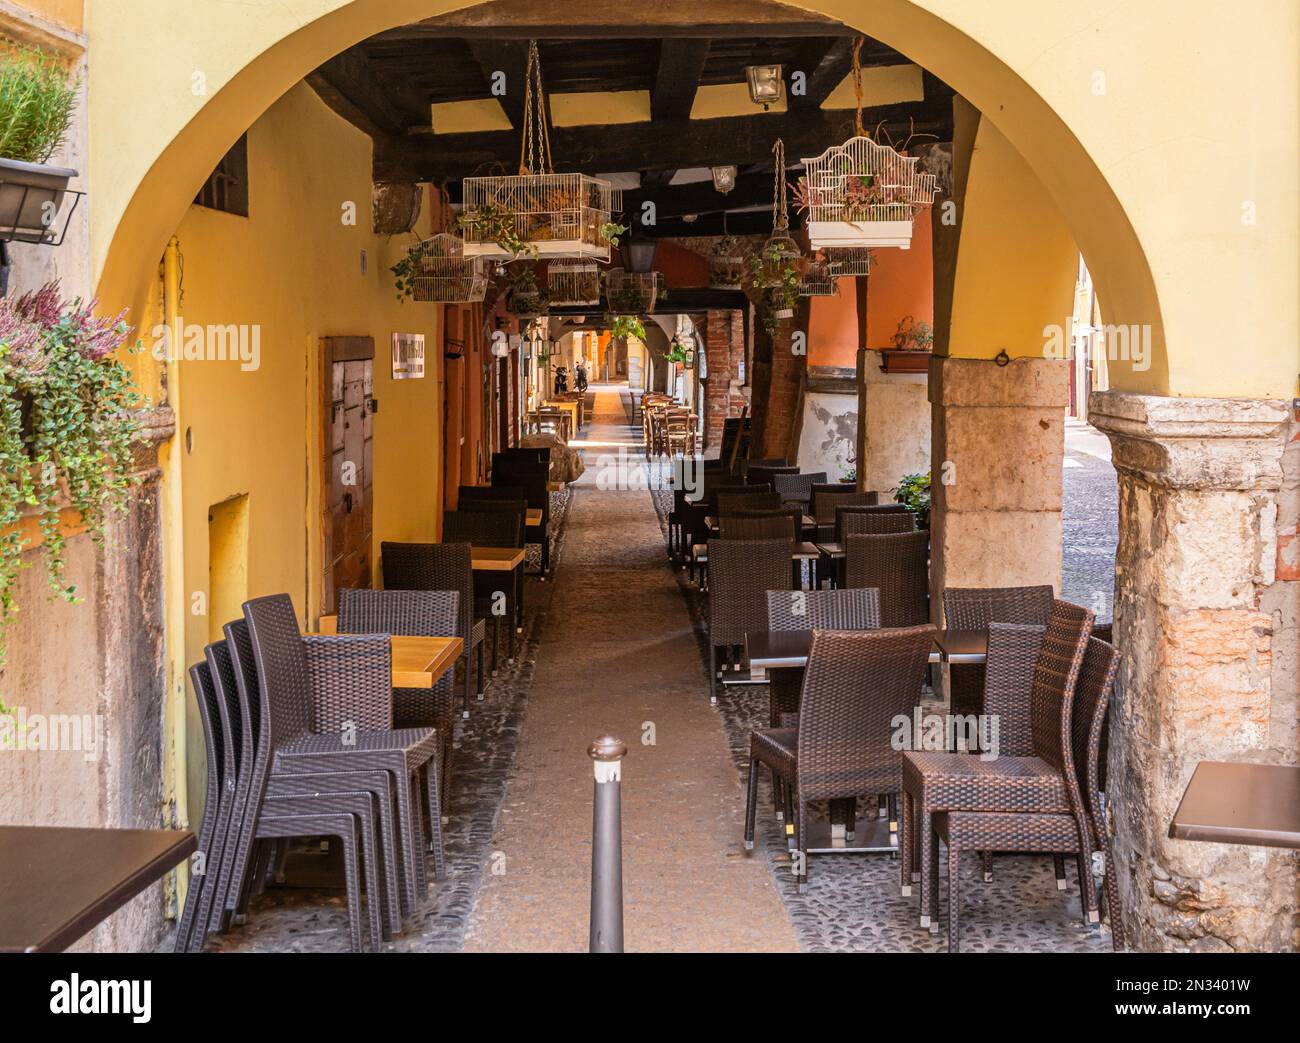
677,78
824,63
655,146
349,85
511,58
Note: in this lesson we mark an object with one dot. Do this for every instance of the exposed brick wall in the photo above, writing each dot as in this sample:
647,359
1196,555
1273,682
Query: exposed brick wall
725,351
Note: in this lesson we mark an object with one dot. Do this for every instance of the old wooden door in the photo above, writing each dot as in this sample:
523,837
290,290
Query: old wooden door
348,494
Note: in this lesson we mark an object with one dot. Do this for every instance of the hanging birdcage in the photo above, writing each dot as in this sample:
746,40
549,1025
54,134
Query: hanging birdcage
817,280
437,271
847,260
632,293
536,212
776,266
727,264
573,282
863,194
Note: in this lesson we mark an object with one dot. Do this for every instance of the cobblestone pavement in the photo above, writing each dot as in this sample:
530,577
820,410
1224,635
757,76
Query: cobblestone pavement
619,654
1090,521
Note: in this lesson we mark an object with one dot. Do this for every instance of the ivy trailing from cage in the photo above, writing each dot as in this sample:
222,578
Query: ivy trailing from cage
624,326
68,420
490,221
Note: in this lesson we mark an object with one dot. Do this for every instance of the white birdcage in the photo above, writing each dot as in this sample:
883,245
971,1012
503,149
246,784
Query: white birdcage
632,293
573,282
817,281
847,260
554,215
440,273
864,194
727,264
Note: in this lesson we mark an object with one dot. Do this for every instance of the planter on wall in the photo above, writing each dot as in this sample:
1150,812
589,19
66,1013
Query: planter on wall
31,196
893,360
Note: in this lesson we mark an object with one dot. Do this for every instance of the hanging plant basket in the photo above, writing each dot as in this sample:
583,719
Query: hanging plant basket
632,293
817,281
847,260
573,282
727,264
863,194
776,271
436,271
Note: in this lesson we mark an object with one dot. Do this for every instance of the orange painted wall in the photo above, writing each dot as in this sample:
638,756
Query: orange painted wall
833,328
681,267
901,283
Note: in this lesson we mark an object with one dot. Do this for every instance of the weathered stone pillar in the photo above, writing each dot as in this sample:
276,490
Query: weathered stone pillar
1206,601
997,440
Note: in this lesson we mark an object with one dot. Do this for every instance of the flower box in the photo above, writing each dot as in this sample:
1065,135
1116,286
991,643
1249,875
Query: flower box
31,196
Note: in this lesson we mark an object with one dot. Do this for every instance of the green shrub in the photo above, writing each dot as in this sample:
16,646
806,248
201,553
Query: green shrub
914,491
37,95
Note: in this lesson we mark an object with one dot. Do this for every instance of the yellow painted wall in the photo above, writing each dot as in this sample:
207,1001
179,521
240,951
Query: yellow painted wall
294,267
1016,260
1150,165
67,14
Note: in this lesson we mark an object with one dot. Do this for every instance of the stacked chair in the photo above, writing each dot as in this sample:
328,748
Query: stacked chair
532,476
491,523
300,738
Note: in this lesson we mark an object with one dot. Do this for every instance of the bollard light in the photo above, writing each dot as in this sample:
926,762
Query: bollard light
606,934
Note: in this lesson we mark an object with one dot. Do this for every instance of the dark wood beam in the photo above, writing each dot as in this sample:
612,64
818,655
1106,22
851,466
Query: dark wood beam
511,58
653,146
680,301
701,197
824,63
677,77
348,84
751,222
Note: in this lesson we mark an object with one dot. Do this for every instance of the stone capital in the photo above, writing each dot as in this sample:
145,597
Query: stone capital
1194,443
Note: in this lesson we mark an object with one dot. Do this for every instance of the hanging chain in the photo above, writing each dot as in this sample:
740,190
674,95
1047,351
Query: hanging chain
859,130
535,148
780,211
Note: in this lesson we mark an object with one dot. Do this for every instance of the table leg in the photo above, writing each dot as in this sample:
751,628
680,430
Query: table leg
519,598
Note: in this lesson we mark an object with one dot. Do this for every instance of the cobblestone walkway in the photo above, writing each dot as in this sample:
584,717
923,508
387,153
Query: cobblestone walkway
618,654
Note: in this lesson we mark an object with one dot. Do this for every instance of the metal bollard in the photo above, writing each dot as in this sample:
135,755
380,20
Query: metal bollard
607,846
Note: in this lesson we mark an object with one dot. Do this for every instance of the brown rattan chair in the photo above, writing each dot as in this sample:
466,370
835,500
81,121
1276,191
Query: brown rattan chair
729,503
944,781
412,613
974,608
897,565
743,466
1080,833
741,572
855,684
763,474
441,566
491,523
534,479
825,498
797,488
759,525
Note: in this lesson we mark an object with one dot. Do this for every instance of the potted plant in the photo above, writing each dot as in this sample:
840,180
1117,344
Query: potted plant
36,100
67,424
727,264
680,354
913,336
775,270
914,492
524,297
623,326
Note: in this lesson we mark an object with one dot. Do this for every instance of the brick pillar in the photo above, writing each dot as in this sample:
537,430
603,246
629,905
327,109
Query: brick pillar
1207,595
778,381
725,351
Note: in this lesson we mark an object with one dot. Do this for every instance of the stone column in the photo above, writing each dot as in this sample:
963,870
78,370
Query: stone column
997,441
1206,596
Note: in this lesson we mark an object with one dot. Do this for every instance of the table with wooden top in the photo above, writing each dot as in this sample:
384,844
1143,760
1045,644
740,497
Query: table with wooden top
504,559
1255,804
772,649
533,516
57,883
418,662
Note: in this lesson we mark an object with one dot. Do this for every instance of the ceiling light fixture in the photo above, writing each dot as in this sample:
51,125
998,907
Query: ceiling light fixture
765,84
724,179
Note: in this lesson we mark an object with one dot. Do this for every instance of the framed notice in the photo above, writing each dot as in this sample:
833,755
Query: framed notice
408,356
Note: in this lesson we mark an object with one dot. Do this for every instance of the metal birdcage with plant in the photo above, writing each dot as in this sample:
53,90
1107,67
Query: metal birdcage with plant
863,193
435,270
727,262
537,211
816,280
847,260
573,282
632,293
775,269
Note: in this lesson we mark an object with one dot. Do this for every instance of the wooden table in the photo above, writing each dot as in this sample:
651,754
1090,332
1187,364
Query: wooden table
769,649
1256,804
57,883
533,516
554,487
504,559
418,662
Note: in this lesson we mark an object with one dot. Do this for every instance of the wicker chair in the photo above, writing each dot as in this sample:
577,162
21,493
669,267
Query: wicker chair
797,488
412,613
825,498
534,479
935,782
974,608
741,572
832,551
764,474
1080,832
759,525
700,535
440,566
491,523
855,684
743,466
896,564
729,503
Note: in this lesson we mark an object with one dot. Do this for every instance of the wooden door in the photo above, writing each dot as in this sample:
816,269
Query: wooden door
348,495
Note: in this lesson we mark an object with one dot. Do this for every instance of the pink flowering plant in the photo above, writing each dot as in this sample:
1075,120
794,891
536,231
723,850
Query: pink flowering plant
68,418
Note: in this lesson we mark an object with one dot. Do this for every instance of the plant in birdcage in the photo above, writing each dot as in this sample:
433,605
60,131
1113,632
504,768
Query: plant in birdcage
538,211
523,297
847,260
816,280
863,193
727,263
436,270
573,282
776,267
632,293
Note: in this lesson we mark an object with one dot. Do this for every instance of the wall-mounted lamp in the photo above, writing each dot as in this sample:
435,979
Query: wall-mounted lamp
724,179
765,84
